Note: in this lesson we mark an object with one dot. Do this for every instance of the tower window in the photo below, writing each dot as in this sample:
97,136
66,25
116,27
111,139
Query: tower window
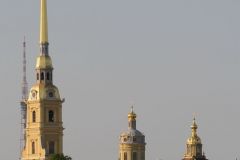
37,76
199,149
42,76
134,155
50,116
33,116
125,156
134,139
48,76
33,147
51,147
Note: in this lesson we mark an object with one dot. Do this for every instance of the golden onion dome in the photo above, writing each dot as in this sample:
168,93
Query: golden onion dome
44,62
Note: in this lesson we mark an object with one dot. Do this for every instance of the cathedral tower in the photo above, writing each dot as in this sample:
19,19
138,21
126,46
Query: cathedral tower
44,130
194,145
132,142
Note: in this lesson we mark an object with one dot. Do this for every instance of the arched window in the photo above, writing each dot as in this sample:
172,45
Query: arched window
33,147
48,76
134,139
37,76
51,147
33,116
51,116
42,76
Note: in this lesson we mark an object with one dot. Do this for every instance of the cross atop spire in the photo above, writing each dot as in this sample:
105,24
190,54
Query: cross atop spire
131,109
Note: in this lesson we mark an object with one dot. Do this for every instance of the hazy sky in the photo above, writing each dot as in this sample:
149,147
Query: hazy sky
170,58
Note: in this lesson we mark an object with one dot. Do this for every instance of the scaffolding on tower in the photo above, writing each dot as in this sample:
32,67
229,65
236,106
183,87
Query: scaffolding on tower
23,102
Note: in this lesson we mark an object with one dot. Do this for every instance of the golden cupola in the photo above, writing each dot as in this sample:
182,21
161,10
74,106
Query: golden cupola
194,145
132,142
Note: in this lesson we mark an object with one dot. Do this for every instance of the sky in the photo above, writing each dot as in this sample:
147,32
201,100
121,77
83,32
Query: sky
169,58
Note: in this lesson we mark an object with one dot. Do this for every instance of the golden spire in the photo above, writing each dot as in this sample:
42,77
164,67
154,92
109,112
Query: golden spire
43,23
194,128
44,61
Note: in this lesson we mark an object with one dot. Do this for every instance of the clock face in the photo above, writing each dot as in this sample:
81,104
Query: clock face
50,94
34,94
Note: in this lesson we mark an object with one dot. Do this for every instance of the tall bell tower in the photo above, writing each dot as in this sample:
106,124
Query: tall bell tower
44,130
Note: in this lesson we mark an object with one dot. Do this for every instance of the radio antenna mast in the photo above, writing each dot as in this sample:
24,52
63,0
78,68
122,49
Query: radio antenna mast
23,100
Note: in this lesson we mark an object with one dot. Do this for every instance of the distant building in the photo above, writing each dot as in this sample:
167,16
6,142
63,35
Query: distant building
132,142
44,130
194,145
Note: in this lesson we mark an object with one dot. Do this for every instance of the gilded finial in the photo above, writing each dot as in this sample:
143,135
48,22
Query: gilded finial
132,119
194,116
132,115
194,127
132,109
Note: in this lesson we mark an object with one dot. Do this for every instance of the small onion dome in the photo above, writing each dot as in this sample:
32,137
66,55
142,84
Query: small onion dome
132,115
194,125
